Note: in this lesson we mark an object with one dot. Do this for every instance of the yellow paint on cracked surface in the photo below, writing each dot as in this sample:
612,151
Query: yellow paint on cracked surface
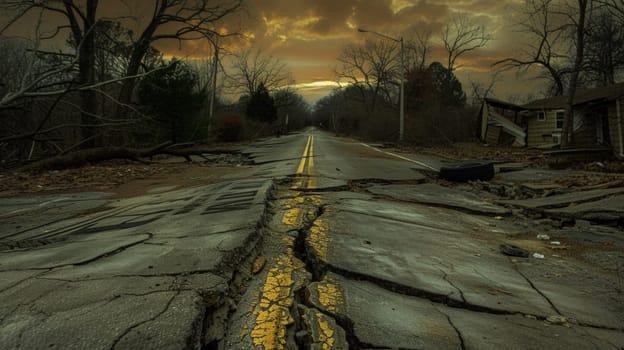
327,332
293,217
296,213
331,297
316,200
272,313
298,184
322,330
243,332
318,238
289,241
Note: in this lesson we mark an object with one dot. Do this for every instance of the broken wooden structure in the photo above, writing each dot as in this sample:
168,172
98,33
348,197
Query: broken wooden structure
597,121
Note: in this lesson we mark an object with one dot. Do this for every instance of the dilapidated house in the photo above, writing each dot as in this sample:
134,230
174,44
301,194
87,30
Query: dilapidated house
597,121
502,123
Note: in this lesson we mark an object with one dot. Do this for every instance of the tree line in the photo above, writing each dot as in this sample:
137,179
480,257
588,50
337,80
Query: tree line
435,101
571,44
109,85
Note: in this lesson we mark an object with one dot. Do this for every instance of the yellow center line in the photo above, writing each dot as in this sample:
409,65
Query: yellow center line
306,158
301,166
311,175
311,157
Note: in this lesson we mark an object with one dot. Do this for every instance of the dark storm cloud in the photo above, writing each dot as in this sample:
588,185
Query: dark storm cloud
332,15
373,13
308,35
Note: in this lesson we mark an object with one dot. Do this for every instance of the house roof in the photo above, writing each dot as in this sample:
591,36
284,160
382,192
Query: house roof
502,104
607,93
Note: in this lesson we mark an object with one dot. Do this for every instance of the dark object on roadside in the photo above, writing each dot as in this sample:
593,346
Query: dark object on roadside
512,250
468,171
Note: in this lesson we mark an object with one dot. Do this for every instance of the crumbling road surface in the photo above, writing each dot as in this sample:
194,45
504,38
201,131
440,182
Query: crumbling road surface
323,243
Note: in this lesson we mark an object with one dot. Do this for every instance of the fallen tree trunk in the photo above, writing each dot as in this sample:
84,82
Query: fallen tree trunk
95,155
186,154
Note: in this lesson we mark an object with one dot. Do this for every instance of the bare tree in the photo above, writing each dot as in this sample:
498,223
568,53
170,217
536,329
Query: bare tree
253,68
180,20
481,90
373,69
171,20
460,36
558,32
292,109
15,62
81,23
204,68
579,17
113,43
547,46
604,57
615,8
417,50
34,84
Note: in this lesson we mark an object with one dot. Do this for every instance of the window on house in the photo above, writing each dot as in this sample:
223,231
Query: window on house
541,116
560,115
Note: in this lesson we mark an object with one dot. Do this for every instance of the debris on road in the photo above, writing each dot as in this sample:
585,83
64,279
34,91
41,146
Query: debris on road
513,250
258,265
434,264
558,320
470,170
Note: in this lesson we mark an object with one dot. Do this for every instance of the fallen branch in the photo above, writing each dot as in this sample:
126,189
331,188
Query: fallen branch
95,155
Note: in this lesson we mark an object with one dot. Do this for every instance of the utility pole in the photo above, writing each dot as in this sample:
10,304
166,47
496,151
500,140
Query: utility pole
215,63
402,98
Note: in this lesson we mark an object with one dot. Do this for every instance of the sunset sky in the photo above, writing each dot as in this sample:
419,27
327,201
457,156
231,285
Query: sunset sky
308,35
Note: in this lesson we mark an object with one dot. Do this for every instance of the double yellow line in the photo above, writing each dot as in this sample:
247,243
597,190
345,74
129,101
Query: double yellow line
306,158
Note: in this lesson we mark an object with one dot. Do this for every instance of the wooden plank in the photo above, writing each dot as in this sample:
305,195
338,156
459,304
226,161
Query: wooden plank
493,134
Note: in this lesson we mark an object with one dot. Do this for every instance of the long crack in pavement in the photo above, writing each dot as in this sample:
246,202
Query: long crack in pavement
304,299
320,270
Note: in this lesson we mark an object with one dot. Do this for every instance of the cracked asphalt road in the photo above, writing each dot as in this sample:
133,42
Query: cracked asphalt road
323,243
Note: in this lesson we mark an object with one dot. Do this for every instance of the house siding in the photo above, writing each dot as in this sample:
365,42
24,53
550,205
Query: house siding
540,132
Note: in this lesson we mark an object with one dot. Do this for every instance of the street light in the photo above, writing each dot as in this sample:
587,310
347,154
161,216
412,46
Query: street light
402,98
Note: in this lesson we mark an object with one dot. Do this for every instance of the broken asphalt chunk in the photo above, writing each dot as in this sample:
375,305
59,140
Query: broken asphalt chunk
513,250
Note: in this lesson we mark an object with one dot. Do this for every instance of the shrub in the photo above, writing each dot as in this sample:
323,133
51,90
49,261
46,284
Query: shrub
229,127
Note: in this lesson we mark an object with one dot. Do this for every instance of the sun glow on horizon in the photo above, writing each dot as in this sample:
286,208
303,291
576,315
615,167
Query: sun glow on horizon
317,85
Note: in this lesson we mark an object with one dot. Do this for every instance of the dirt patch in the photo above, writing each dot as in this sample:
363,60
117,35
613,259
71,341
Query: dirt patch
178,176
463,151
124,178
591,179
573,249
531,157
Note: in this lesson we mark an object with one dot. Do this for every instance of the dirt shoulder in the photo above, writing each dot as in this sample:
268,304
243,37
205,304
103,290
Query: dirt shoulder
531,157
204,164
124,178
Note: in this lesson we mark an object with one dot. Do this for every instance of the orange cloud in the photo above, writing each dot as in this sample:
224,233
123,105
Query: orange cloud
309,35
